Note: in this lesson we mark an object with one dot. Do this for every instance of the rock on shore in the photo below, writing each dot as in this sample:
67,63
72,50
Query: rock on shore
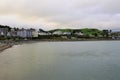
4,46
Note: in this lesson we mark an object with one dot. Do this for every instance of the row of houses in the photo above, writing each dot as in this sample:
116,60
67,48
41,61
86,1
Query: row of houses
30,33
27,33
116,35
15,32
3,31
67,33
59,32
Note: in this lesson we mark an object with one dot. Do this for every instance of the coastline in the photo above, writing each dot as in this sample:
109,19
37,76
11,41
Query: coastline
5,46
8,44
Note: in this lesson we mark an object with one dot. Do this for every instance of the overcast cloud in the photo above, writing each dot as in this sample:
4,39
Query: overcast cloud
49,14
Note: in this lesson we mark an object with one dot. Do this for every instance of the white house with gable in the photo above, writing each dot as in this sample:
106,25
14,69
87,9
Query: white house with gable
57,33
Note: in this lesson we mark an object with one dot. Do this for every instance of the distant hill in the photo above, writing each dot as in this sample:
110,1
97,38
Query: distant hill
62,30
88,31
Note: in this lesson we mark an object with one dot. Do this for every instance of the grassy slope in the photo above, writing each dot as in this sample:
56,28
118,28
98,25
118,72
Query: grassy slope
86,31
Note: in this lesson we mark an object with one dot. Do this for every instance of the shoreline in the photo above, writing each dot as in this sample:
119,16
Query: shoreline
8,44
5,46
50,40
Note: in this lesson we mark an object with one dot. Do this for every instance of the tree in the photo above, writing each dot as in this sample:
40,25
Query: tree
106,33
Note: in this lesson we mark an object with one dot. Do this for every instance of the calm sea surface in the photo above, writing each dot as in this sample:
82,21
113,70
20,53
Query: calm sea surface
94,60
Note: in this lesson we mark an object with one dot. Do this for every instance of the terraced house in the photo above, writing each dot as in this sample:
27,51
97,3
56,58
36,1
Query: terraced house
4,30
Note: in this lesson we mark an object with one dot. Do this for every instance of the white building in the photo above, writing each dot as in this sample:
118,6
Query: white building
24,33
79,33
13,32
34,34
57,33
3,31
43,33
66,33
9,34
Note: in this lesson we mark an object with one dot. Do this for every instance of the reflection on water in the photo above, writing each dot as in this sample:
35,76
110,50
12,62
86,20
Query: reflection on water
98,60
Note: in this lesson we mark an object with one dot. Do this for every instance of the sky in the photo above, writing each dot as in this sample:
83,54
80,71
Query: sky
53,14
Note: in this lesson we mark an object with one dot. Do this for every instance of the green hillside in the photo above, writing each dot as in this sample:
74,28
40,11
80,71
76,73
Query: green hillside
88,31
85,31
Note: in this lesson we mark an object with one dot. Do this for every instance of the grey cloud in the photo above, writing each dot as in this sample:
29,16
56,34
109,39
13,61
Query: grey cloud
111,7
69,13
